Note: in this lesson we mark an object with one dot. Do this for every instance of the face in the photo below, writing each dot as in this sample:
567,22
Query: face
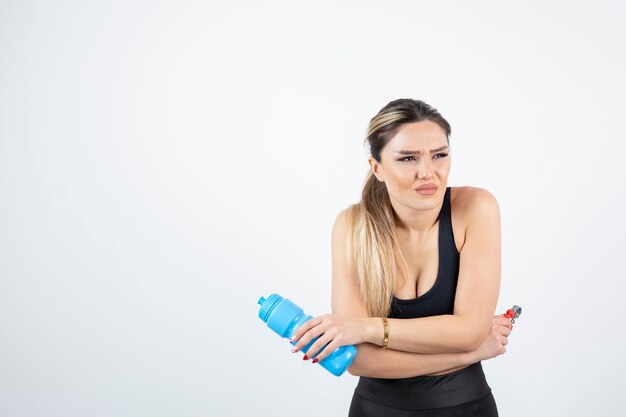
417,155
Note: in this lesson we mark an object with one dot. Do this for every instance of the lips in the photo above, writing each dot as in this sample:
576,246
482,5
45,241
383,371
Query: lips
426,187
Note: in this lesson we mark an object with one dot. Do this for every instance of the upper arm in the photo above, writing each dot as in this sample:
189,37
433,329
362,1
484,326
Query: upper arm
346,297
479,270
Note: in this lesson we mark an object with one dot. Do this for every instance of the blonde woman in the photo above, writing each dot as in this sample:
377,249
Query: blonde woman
416,277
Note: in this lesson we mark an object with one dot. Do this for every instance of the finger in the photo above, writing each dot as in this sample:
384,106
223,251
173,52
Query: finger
503,340
305,327
503,330
501,320
309,336
500,329
318,345
330,348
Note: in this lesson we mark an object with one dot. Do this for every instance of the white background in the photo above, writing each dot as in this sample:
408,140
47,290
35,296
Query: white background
165,164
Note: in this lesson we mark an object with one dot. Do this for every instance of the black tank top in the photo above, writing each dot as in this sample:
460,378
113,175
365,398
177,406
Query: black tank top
424,392
440,298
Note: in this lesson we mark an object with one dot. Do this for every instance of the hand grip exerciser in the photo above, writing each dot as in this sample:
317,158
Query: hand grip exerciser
513,313
284,318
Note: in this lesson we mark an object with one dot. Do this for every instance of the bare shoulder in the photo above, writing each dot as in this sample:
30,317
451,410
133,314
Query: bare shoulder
343,222
469,202
473,209
346,295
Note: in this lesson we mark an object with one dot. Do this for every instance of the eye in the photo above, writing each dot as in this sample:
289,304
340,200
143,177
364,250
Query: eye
440,155
406,159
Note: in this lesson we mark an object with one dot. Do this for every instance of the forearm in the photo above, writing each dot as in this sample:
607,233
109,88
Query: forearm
375,362
436,334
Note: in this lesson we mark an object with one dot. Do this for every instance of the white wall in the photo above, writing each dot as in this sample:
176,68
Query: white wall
165,164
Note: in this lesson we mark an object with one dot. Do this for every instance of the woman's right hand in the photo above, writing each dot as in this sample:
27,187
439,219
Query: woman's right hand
496,341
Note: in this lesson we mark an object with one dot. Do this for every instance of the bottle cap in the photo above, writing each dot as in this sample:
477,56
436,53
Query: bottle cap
267,304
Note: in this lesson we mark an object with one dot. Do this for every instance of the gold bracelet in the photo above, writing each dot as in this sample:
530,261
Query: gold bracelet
386,339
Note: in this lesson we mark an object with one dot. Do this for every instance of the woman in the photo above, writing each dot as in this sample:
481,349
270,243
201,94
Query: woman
416,271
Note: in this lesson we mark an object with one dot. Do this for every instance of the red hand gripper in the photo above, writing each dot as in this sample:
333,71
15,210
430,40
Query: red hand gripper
513,313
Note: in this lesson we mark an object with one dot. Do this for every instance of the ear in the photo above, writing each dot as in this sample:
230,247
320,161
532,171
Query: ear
377,168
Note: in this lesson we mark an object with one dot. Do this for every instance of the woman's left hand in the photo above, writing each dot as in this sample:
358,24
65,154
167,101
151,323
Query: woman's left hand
334,330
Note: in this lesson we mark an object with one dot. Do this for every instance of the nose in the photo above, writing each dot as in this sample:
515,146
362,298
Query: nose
424,169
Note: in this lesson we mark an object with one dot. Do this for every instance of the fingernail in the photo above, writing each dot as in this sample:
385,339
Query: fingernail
294,350
306,358
315,360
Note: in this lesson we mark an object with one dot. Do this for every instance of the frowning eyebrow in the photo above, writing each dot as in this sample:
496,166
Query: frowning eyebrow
403,152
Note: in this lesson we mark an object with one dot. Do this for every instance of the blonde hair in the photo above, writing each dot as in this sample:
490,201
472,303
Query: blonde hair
372,242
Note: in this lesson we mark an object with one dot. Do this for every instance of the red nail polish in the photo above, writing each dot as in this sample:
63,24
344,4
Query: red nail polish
306,358
315,360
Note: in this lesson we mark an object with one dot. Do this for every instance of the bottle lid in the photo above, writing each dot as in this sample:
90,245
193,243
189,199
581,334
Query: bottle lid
267,305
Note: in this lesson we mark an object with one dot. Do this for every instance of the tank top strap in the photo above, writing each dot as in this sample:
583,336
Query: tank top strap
446,235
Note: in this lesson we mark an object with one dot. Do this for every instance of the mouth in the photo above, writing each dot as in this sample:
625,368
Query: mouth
426,189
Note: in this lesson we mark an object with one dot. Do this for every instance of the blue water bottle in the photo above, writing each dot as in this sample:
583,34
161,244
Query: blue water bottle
284,317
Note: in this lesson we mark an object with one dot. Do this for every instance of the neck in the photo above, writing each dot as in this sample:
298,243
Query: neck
413,221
